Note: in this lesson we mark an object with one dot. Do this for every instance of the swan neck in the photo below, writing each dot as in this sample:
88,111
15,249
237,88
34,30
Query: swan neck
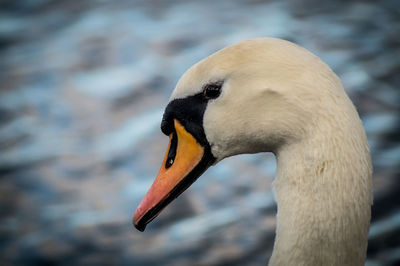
323,193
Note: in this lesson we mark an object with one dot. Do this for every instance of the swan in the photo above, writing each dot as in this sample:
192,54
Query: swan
270,95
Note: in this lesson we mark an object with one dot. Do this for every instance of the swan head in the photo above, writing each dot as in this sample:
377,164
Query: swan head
254,96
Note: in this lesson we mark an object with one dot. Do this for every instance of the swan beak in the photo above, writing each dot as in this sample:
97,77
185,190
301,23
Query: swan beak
183,163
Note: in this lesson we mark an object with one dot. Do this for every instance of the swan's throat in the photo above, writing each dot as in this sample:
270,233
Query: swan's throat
323,194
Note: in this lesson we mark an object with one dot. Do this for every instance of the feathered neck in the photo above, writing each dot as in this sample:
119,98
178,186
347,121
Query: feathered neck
323,192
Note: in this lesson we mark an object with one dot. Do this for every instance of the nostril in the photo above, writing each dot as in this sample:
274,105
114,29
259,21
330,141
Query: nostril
169,162
172,151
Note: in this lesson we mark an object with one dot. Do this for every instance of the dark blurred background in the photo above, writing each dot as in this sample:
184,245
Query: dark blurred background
83,87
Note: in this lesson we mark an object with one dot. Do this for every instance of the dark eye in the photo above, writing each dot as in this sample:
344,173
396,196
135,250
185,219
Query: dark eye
213,90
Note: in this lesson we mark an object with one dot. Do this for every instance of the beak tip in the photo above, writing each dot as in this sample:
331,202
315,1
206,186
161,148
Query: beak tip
137,222
140,227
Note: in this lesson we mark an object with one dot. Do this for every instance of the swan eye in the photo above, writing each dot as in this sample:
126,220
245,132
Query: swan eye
212,91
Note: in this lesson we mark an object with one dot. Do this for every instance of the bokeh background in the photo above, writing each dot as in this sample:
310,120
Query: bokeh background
83,87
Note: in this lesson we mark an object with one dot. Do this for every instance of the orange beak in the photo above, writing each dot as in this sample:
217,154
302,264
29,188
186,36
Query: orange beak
183,164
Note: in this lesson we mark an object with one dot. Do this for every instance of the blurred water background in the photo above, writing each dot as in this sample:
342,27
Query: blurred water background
83,87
